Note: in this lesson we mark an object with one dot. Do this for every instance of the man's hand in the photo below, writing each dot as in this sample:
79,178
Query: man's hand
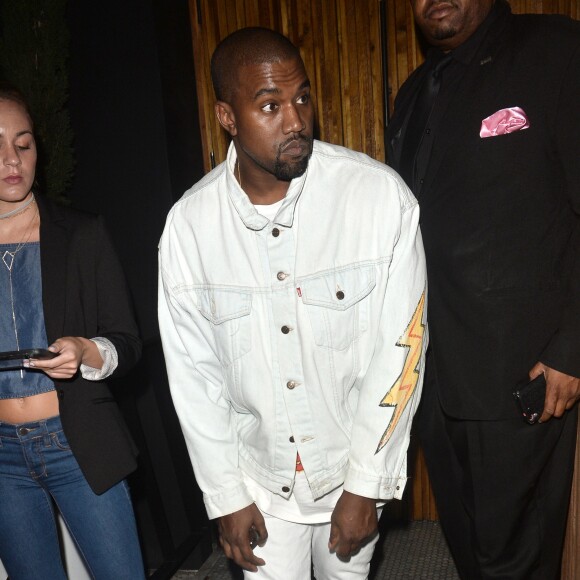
562,391
236,531
354,522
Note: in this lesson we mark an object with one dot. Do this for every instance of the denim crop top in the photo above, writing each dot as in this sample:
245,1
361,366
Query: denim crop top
21,318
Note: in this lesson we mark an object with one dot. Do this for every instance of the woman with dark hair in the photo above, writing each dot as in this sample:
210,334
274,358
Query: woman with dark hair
63,441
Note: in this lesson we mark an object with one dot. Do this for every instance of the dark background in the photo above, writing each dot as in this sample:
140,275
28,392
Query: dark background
137,147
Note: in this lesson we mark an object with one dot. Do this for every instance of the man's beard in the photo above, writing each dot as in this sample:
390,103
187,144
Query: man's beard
285,171
444,33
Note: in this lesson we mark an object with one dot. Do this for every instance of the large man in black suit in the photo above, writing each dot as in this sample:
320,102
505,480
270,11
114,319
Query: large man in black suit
487,135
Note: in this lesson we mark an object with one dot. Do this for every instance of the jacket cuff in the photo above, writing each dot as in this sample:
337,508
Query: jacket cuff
110,358
562,355
227,502
373,486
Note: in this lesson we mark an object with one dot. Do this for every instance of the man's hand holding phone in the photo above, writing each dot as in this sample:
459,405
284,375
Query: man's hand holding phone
562,391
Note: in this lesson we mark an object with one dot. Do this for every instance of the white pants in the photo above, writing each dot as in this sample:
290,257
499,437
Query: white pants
291,548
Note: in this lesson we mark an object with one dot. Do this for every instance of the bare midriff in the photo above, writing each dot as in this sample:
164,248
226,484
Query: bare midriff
27,409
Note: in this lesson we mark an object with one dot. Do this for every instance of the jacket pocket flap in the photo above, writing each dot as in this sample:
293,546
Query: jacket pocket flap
339,289
221,305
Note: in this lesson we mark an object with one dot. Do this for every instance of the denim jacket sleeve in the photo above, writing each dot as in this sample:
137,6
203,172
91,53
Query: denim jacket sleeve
394,376
205,416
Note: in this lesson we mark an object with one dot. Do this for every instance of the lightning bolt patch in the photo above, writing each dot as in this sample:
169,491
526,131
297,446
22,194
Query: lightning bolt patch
399,394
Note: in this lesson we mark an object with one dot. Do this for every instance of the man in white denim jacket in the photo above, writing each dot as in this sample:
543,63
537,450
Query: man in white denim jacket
292,306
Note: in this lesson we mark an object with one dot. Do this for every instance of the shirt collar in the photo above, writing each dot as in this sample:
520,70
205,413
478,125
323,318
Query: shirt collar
245,208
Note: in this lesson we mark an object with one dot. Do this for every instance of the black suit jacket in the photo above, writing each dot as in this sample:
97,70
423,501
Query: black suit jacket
84,294
500,216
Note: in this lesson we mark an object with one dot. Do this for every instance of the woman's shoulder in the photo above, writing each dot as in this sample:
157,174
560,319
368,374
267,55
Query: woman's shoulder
68,217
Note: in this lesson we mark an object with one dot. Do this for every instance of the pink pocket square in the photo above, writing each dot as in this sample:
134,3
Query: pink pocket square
504,121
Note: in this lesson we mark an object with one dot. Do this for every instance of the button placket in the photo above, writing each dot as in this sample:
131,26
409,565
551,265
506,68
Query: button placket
280,259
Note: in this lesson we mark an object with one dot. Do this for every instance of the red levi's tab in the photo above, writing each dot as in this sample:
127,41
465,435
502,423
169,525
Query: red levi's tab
299,466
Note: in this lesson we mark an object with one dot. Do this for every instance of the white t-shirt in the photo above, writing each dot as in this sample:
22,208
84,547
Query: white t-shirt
300,507
269,211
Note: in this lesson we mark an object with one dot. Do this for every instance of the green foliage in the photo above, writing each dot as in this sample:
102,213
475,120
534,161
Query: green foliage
34,45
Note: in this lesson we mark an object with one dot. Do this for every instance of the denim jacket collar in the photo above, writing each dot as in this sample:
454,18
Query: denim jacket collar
245,208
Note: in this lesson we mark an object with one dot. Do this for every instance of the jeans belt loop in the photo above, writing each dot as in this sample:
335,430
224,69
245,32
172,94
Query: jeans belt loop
46,437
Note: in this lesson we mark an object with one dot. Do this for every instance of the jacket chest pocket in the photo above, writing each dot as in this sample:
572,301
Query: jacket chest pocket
228,312
338,305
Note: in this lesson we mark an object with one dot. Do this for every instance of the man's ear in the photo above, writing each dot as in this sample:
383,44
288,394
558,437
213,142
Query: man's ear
226,117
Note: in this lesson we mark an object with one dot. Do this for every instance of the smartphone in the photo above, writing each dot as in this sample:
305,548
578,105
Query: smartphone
27,353
530,398
254,537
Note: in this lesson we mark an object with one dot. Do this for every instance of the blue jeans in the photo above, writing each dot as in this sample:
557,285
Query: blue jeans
38,470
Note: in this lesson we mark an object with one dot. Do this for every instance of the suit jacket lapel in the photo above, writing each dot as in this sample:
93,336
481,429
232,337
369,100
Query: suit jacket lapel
54,241
404,102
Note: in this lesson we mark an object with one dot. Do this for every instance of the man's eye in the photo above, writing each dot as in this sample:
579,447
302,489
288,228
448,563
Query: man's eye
269,107
303,100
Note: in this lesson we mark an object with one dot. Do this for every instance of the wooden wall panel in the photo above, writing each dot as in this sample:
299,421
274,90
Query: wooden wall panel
403,49
571,559
340,43
422,505
567,7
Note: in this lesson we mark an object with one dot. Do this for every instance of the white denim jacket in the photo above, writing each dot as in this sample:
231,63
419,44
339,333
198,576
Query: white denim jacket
302,334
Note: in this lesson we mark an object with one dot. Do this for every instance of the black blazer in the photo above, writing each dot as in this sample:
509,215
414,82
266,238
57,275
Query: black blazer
84,294
500,216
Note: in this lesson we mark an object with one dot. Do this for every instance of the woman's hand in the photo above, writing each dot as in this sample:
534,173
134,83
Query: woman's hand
72,351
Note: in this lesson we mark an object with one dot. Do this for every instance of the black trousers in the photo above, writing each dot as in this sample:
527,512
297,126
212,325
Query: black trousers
502,490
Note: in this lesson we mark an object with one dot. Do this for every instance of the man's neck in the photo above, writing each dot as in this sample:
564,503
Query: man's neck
466,51
261,189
